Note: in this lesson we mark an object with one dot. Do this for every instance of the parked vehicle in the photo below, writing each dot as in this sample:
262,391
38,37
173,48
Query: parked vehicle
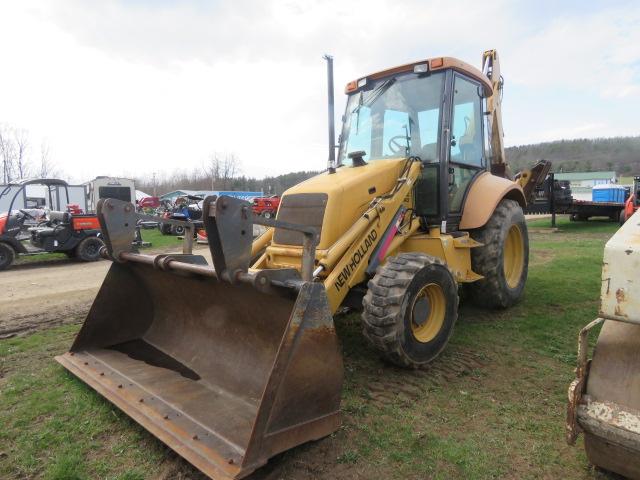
39,196
187,208
266,206
77,235
251,365
149,202
109,187
555,197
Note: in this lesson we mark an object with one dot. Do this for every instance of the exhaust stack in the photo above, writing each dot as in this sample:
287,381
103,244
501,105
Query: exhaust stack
330,101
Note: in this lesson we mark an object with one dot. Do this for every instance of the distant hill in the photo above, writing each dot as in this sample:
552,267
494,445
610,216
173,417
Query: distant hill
621,154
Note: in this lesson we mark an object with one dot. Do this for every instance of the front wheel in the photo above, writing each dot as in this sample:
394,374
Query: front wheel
88,250
503,260
410,309
7,255
623,217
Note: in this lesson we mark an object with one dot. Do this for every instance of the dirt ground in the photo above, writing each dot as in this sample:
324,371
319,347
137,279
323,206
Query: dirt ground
46,294
41,296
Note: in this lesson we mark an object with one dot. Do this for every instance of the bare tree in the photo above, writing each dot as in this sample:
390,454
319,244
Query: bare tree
230,169
7,153
221,169
47,167
211,169
21,145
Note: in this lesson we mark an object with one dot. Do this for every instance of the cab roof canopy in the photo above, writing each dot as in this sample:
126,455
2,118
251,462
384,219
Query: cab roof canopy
434,64
40,181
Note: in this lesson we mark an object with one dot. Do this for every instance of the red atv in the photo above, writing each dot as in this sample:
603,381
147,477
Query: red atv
266,206
77,235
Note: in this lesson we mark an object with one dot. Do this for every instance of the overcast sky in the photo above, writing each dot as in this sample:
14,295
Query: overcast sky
128,87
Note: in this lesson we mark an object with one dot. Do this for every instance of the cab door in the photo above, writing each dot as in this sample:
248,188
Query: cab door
466,152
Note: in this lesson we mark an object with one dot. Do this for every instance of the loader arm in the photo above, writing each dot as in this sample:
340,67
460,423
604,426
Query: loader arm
377,232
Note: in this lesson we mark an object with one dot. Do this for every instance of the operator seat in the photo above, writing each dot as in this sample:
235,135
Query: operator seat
56,219
428,152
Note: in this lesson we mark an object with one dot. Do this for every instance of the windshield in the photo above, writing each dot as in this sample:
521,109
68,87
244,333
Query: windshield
394,118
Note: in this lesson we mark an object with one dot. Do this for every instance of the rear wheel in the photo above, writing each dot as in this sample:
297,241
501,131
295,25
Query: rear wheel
88,250
7,255
503,260
410,309
268,214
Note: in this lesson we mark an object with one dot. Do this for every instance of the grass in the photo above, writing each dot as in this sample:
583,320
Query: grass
159,241
502,416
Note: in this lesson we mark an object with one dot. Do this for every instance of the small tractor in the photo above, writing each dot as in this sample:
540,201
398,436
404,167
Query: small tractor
604,398
418,202
188,209
77,235
266,206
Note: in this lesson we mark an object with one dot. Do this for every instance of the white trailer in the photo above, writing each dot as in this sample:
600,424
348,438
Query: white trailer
109,187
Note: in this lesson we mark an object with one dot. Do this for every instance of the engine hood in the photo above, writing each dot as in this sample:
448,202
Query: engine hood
333,202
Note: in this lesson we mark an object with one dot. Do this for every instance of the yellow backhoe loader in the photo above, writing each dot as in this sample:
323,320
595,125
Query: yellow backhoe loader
418,201
604,398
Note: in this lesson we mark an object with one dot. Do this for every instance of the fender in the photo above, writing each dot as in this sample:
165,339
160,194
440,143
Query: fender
483,197
17,246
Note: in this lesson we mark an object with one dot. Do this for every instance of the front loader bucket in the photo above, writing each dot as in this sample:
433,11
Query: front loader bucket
225,374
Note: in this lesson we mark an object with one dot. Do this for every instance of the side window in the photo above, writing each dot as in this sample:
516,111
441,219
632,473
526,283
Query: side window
466,130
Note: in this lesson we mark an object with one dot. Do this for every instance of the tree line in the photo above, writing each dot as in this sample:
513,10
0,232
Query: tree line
221,171
619,154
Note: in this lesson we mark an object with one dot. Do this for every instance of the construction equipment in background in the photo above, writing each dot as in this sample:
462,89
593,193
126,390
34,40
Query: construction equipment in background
633,202
555,197
187,208
604,399
29,232
251,365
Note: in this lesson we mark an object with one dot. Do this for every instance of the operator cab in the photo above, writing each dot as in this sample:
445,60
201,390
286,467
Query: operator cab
432,110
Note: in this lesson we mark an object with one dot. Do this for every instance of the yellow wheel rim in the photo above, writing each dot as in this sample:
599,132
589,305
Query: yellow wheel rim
513,256
428,312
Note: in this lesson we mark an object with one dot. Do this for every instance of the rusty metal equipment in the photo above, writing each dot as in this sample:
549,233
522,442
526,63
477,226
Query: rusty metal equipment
604,398
229,379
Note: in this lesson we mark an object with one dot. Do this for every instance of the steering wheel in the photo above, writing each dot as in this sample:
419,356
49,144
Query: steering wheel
26,214
395,146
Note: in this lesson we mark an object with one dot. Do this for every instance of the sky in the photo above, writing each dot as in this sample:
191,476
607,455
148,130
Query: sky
131,87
